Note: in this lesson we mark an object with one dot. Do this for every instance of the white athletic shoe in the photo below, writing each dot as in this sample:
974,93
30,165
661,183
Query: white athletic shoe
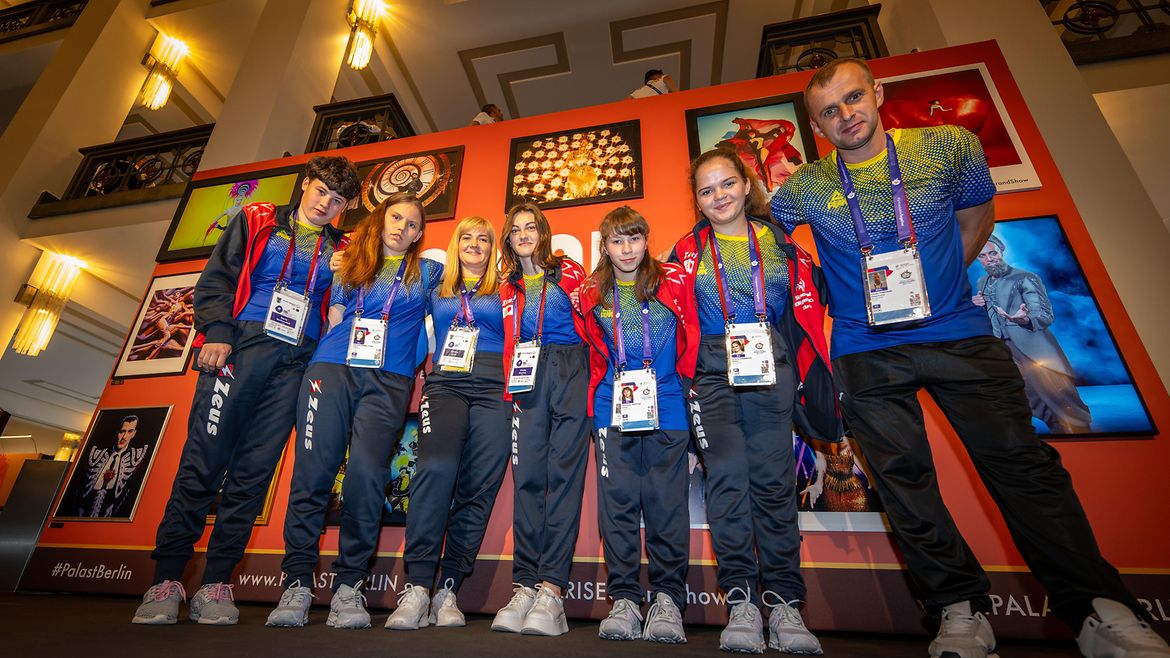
445,611
1115,632
413,609
214,605
348,608
160,604
510,618
963,634
547,616
293,609
744,632
786,630
623,623
664,622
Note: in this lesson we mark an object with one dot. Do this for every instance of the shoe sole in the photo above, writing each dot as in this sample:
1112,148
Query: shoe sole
617,636
218,621
156,620
556,631
332,623
759,649
952,654
458,623
505,627
288,624
665,639
395,626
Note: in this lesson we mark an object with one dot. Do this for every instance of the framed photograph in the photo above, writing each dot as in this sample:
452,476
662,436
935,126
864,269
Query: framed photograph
397,499
269,496
576,167
1040,303
209,205
771,135
160,338
112,465
433,176
962,96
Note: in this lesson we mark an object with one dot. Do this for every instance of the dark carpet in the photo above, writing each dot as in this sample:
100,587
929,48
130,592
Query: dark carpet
34,625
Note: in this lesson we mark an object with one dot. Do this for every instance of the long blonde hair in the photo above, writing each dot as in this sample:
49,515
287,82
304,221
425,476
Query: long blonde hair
453,271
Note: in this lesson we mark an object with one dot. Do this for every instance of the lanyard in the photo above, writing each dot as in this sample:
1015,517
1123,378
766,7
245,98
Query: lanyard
757,276
619,342
292,247
901,206
539,317
361,303
465,296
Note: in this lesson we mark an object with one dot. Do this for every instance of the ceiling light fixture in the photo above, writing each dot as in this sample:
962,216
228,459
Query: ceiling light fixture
44,309
164,60
363,16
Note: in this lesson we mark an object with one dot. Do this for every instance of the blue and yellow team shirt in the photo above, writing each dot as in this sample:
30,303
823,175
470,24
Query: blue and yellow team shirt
558,313
489,317
405,326
737,273
267,272
943,170
664,346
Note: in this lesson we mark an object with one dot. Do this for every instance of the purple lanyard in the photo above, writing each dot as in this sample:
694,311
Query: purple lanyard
288,257
465,296
520,311
901,206
757,277
619,342
361,305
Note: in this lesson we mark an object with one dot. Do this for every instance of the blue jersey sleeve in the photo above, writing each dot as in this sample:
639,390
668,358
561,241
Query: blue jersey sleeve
971,178
787,209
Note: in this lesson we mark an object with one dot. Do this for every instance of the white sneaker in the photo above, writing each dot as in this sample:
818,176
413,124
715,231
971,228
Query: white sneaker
510,618
348,608
1115,632
963,634
293,609
623,623
445,611
547,616
744,632
214,605
413,609
664,622
160,604
786,631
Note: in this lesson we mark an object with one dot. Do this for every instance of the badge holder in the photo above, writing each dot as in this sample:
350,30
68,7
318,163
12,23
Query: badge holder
894,288
750,361
367,343
522,373
459,350
287,315
636,400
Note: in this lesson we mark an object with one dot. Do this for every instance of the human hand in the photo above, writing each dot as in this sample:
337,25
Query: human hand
213,356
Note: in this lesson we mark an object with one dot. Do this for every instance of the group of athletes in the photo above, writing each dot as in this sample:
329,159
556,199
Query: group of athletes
533,355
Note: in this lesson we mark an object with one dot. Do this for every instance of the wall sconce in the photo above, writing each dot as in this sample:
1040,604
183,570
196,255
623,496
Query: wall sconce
363,16
164,60
46,302
69,444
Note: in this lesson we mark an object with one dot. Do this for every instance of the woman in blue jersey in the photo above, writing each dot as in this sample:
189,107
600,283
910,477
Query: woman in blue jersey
742,403
464,431
546,368
640,321
355,395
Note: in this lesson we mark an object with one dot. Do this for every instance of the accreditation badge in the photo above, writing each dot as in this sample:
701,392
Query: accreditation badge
367,343
895,290
749,354
288,312
458,353
635,394
522,371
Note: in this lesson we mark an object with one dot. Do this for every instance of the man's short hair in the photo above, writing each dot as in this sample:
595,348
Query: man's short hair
997,242
130,419
826,73
651,74
337,172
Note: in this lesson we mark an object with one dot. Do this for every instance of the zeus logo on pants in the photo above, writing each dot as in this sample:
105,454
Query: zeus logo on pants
218,397
309,416
697,423
515,439
604,466
424,417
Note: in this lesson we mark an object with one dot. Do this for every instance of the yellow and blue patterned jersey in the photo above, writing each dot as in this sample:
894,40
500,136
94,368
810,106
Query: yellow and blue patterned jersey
558,313
405,325
663,346
296,276
943,170
489,317
737,272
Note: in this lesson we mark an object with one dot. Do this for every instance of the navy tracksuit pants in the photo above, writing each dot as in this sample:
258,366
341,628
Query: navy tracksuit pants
364,410
463,449
240,421
550,443
744,436
643,475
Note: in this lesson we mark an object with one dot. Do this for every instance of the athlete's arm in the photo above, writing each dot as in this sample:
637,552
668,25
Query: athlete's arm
215,292
975,225
334,316
213,356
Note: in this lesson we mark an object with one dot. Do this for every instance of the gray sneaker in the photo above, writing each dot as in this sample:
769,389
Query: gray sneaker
1113,630
445,611
623,623
744,632
160,604
510,618
411,613
293,609
786,631
348,608
214,605
664,622
547,616
963,634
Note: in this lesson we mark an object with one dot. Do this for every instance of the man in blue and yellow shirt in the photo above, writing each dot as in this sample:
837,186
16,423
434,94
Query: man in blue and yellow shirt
922,199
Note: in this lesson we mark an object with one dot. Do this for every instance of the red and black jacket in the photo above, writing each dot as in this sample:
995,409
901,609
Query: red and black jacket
569,275
815,412
224,288
675,292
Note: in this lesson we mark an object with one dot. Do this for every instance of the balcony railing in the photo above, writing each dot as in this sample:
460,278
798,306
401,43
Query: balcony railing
38,16
360,121
810,43
1098,31
131,171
